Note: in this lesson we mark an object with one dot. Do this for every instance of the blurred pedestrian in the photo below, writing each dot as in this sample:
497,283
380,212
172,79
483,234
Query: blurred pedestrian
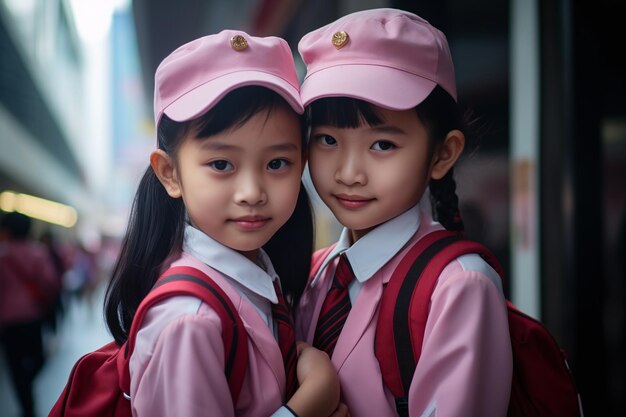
79,279
26,285
55,310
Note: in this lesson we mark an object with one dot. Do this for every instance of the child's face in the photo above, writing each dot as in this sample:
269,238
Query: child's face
240,186
369,175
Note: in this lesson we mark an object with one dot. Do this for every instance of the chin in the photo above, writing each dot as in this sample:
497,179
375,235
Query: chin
357,226
360,225
243,245
247,247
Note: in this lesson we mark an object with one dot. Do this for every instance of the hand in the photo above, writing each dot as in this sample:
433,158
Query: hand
319,391
341,411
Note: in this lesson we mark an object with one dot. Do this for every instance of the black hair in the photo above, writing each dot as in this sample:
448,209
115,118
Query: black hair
156,225
17,224
438,112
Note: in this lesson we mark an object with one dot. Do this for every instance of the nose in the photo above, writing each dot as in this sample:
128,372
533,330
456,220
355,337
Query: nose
351,170
250,190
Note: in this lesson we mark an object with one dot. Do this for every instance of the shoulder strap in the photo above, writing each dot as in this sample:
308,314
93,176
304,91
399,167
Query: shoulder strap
318,258
185,280
406,301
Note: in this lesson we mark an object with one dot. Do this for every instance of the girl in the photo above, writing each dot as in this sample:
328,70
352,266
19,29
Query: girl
385,135
222,194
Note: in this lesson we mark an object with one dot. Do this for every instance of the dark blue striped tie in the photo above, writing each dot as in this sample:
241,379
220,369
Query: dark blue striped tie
335,308
286,339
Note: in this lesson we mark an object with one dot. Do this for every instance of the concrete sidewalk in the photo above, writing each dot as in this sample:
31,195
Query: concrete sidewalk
81,331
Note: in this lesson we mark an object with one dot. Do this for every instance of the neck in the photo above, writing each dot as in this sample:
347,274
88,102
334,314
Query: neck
252,255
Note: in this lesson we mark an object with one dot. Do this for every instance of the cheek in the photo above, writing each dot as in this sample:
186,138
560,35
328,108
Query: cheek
320,168
406,181
286,193
199,206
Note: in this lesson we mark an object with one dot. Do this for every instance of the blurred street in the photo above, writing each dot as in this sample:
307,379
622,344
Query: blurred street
81,330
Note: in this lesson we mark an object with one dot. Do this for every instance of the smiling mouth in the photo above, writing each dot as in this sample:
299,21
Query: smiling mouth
251,222
353,201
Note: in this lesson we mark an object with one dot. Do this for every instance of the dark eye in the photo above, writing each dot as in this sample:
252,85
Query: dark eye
221,165
327,140
276,164
383,145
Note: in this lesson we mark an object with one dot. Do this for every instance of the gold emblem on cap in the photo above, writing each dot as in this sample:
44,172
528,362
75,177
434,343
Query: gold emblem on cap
340,39
238,43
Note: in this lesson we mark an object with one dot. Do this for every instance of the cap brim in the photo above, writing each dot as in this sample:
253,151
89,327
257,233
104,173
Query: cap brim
199,100
383,86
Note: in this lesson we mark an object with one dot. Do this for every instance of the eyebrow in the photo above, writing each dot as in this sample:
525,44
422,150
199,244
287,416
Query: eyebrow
379,129
222,146
284,147
388,129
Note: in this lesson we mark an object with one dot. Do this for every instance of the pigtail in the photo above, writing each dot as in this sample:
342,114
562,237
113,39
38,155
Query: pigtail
291,249
154,232
440,114
445,202
156,227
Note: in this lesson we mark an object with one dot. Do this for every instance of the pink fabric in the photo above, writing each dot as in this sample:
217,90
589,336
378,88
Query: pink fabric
388,57
177,368
194,77
16,304
466,363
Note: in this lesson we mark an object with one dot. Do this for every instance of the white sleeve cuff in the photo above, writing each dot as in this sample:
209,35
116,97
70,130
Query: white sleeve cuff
283,412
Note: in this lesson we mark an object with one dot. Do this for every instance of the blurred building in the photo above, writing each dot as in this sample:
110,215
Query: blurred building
73,122
41,103
543,188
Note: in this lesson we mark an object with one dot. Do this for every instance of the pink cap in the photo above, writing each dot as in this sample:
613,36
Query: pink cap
194,77
388,57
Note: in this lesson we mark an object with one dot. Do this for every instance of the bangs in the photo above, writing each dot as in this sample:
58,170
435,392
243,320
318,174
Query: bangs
342,113
231,112
236,108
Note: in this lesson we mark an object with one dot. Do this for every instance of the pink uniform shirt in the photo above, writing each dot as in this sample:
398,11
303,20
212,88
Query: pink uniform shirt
466,362
177,368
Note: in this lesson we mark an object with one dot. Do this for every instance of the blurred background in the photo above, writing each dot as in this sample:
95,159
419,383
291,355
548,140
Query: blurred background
542,184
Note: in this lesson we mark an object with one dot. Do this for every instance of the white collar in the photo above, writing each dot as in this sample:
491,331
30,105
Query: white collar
256,278
375,249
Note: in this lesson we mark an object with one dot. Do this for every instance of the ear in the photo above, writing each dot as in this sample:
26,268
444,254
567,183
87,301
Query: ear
447,153
165,170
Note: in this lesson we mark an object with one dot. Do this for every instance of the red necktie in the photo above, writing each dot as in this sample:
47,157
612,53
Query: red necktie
335,308
286,339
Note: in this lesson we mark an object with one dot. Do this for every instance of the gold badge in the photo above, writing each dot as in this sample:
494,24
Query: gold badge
340,39
238,43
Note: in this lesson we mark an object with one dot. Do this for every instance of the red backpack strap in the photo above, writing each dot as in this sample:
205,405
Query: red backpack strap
318,258
185,280
405,303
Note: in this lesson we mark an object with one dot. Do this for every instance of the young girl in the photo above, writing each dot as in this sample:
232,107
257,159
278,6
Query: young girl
222,194
385,135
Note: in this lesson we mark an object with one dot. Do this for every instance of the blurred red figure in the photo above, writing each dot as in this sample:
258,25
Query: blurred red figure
27,287
55,309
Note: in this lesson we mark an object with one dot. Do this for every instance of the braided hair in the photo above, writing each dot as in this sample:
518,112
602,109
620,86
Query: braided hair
440,114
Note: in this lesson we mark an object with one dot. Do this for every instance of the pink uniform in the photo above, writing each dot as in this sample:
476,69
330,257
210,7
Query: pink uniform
466,363
177,368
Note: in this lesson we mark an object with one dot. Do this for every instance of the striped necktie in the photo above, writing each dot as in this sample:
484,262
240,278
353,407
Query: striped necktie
335,308
286,339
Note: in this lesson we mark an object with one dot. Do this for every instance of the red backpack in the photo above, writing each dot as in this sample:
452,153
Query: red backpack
542,382
99,382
